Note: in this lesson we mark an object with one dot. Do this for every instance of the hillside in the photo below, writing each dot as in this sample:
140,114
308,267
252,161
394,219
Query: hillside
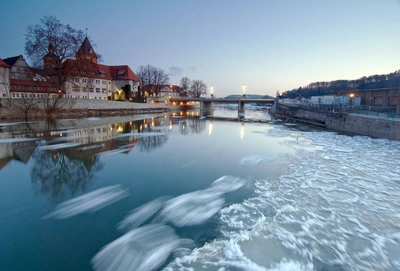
324,88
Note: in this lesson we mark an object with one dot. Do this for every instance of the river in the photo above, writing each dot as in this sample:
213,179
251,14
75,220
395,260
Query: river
175,192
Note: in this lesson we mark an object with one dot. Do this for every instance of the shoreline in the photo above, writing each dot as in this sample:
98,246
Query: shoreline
84,108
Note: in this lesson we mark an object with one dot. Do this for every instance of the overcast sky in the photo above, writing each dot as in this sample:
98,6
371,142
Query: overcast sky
268,44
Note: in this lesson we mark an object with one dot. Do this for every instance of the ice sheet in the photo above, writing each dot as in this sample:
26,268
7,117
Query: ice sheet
337,208
89,202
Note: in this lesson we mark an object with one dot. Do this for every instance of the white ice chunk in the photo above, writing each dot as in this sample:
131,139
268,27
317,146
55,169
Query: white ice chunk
139,215
14,140
254,160
228,184
89,202
144,248
192,208
141,134
59,146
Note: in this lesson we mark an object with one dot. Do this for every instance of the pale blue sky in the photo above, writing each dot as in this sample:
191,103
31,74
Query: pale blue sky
268,44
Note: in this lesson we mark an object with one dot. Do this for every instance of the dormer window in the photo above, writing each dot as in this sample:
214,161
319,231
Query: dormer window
120,73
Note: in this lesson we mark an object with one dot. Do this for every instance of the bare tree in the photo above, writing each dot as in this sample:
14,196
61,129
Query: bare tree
24,105
161,78
185,85
153,79
57,44
198,88
145,75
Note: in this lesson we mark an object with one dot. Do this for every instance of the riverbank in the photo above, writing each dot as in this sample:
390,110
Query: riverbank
84,108
354,123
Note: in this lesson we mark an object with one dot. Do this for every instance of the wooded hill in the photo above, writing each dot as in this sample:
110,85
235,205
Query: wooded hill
324,88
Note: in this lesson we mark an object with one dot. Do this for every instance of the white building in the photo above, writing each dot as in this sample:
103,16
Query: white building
97,82
100,81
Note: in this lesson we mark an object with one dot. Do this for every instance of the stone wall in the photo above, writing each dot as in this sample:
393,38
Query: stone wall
374,126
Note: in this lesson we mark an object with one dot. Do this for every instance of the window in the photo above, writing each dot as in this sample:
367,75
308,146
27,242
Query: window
90,89
103,90
104,82
120,73
378,101
97,81
97,90
13,95
4,95
392,100
75,88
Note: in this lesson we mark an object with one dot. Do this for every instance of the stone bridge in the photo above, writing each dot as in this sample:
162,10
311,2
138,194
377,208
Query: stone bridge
207,104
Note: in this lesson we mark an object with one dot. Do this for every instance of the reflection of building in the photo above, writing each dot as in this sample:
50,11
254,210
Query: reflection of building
90,141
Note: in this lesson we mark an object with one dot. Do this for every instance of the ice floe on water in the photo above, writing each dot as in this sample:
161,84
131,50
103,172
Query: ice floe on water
89,202
257,159
144,134
15,140
59,146
147,246
337,208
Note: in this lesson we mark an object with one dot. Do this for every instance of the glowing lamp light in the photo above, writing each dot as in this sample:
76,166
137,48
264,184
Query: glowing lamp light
244,89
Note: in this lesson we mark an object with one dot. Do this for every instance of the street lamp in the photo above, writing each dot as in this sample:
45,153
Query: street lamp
244,89
351,98
212,90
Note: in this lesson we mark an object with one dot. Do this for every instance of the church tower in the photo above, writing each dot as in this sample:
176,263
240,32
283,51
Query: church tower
50,58
86,52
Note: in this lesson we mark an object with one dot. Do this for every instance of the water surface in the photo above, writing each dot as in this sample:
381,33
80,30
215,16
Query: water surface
169,192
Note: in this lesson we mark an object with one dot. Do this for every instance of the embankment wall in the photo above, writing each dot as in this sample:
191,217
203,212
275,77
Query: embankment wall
374,126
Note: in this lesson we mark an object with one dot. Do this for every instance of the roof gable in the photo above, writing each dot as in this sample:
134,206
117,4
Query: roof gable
11,60
4,64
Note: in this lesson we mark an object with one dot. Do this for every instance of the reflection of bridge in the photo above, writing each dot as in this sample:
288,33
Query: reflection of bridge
207,104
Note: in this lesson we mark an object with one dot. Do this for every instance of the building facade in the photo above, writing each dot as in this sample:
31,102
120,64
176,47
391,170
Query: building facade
4,79
94,81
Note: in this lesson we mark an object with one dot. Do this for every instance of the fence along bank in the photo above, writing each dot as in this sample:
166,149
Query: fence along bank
363,118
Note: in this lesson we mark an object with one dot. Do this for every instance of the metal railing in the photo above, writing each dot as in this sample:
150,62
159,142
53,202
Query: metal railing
348,109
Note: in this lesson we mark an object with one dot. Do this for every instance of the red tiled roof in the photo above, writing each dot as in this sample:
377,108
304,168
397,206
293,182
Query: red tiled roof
3,64
123,72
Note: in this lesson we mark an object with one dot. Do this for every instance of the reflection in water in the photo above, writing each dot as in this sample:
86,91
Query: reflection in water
62,172
156,140
194,126
89,202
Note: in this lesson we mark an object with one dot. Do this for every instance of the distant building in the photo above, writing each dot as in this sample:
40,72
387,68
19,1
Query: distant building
170,91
